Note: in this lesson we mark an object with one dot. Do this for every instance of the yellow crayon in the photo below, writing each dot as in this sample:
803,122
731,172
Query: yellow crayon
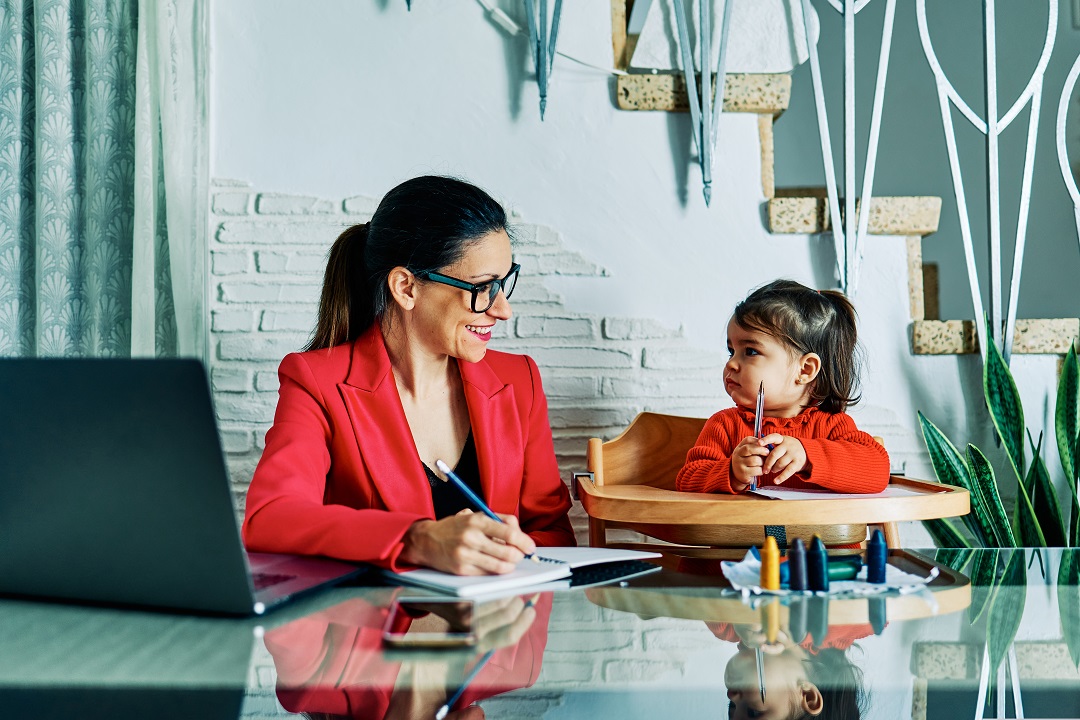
770,564
771,620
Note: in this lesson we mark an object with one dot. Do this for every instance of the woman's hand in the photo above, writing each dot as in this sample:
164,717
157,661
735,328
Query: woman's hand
467,544
787,457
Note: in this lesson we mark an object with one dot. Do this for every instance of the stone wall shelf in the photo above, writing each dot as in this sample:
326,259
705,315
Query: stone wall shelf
1040,336
743,92
808,212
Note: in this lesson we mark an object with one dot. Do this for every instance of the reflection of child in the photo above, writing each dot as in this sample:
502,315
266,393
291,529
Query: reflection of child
801,345
800,682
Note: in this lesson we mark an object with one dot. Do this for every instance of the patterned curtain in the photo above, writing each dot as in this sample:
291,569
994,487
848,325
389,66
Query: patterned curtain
87,257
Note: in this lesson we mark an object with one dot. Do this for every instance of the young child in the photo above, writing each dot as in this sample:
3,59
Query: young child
801,343
801,681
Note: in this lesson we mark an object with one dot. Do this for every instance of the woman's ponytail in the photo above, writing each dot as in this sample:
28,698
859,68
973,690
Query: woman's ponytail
345,309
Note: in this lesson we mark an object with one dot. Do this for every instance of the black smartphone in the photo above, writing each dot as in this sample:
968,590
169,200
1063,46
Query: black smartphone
430,623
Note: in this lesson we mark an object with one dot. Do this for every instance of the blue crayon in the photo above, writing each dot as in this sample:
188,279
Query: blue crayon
817,566
876,557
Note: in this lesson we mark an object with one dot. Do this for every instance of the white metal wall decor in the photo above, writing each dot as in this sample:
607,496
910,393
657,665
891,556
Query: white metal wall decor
847,235
705,108
1002,328
1063,154
542,37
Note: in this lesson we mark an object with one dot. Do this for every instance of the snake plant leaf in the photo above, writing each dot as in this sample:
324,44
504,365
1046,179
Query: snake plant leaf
988,502
1067,413
983,578
945,534
954,557
1003,401
1006,609
1068,594
950,468
1044,499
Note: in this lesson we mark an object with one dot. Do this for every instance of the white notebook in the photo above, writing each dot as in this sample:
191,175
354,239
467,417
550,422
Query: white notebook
555,563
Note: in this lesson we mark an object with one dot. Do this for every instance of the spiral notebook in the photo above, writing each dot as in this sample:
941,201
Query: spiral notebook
573,564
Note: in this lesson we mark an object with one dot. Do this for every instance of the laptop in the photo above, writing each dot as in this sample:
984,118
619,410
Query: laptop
113,490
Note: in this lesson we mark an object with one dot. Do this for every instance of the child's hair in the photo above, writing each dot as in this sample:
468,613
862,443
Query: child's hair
840,682
810,321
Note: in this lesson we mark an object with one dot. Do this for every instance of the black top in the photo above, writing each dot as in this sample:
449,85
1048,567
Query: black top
446,497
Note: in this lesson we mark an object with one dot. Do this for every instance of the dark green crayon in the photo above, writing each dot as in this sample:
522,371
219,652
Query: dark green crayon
878,619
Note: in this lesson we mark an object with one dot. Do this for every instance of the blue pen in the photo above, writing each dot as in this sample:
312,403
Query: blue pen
445,709
468,493
466,490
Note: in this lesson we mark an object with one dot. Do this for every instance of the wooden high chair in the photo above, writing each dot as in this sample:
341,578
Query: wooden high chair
630,484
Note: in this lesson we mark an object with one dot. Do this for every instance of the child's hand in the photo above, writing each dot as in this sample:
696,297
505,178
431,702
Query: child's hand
787,457
747,460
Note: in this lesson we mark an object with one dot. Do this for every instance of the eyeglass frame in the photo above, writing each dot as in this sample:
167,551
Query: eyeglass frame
497,285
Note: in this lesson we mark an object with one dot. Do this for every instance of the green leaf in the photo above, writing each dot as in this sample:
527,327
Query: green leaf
945,534
1003,401
1044,499
950,468
983,575
1067,412
1068,593
1006,610
955,558
988,500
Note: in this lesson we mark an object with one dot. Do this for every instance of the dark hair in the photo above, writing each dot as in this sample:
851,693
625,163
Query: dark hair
840,682
423,224
809,321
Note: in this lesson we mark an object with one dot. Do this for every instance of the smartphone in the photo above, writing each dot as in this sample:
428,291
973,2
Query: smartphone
430,623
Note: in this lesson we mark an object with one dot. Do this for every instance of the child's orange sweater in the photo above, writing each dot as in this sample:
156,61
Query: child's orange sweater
841,457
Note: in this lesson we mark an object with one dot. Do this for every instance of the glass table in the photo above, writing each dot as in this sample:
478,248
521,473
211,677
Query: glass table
677,643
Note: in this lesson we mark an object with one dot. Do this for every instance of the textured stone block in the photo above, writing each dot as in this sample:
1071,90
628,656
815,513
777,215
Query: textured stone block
280,232
743,92
558,264
279,204
563,671
637,671
230,262
582,417
267,381
259,347
245,408
278,320
588,641
573,387
535,235
237,441
231,203
225,379
637,329
578,357
360,205
957,337
559,327
268,293
682,357
232,320
888,215
708,384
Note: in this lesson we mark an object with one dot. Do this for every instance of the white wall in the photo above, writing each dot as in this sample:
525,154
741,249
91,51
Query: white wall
338,98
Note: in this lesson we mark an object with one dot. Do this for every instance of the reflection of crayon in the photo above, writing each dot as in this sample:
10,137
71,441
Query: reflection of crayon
878,618
817,574
797,619
876,557
796,565
771,619
818,618
770,564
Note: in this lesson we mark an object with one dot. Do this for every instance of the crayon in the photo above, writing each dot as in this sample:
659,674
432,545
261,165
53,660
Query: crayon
770,565
878,619
796,566
876,557
797,619
817,574
840,567
818,619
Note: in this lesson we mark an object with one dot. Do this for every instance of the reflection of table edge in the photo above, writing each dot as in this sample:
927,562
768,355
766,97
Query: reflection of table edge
951,592
619,502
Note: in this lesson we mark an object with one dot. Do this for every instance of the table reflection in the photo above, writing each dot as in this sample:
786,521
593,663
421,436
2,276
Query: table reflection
333,664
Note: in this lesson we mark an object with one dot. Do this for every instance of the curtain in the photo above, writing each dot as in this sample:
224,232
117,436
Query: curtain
102,178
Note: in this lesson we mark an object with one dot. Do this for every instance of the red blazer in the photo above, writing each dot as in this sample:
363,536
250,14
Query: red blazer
340,475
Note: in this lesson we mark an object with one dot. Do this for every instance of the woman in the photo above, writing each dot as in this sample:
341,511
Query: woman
397,376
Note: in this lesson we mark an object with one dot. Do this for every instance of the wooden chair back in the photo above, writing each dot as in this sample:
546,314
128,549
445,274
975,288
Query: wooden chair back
651,451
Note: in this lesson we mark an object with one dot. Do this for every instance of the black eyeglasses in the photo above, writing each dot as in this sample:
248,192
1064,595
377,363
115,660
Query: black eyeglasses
487,290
